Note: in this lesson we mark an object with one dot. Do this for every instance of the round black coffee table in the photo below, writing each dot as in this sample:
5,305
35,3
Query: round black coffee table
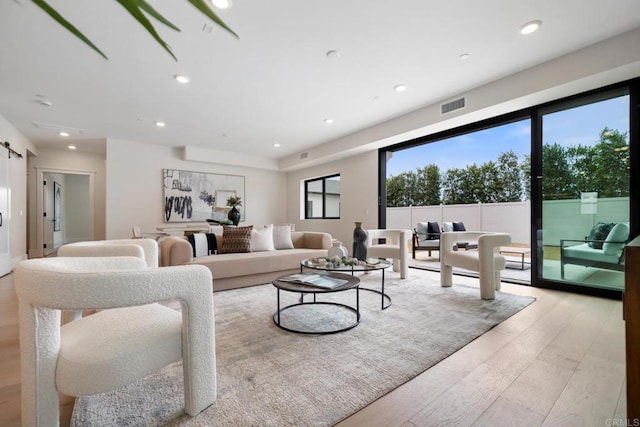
372,264
351,283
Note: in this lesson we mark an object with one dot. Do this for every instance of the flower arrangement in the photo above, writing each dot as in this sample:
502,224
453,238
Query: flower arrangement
234,201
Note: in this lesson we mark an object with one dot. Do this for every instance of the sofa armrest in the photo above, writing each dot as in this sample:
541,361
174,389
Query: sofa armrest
317,240
175,251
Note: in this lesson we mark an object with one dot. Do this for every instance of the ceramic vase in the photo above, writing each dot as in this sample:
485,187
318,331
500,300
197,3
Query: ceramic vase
360,242
337,250
234,215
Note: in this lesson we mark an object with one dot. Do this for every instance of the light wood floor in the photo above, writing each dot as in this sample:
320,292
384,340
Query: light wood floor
559,361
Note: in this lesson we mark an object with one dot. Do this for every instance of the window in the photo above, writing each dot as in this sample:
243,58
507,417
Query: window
322,198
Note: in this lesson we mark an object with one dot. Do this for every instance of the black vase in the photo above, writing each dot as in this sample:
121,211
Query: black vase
234,215
360,242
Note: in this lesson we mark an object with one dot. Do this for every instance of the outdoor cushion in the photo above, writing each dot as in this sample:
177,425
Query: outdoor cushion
600,231
619,233
458,226
433,230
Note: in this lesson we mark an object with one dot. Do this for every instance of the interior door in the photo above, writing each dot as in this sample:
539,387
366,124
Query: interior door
5,253
48,220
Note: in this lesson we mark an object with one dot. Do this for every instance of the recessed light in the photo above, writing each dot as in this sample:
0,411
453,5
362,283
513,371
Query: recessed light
72,147
328,121
464,56
333,54
221,4
277,144
400,87
182,78
64,133
161,124
530,27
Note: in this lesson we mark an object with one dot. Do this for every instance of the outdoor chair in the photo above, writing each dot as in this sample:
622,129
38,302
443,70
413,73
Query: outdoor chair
129,339
426,237
607,253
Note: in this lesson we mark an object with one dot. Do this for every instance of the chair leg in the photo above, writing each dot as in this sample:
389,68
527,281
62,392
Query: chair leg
488,284
446,276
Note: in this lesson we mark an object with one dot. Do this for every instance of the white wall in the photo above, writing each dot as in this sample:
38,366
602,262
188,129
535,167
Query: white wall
77,209
18,184
135,187
358,196
512,218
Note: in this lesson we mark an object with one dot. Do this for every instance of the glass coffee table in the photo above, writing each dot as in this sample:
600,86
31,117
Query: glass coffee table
371,264
348,282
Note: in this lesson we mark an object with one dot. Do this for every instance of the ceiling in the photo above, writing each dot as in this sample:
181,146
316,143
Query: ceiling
275,83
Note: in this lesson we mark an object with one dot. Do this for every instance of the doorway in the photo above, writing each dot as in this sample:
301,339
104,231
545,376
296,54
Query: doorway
65,204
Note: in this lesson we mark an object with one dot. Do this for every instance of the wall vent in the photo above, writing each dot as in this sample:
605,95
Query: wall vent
450,106
58,128
304,155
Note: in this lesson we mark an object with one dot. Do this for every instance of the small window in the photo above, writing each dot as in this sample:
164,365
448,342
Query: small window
322,198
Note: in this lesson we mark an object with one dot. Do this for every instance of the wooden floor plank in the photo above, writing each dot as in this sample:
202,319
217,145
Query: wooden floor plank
504,413
591,396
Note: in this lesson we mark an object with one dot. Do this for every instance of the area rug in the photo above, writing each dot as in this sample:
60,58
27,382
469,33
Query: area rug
270,377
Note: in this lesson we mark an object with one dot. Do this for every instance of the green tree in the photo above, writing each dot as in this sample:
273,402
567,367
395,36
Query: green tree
428,188
525,175
510,176
558,173
401,189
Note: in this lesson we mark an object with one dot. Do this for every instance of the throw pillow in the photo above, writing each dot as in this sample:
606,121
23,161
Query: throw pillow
236,240
600,231
423,231
458,226
433,230
203,244
619,233
282,237
262,240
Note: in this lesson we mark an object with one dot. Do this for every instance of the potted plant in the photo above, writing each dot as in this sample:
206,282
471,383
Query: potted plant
234,214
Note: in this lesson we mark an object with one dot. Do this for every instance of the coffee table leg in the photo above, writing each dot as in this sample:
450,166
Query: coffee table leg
382,296
278,307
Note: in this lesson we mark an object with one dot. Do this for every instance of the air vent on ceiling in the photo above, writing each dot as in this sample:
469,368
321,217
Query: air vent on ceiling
58,128
450,106
304,155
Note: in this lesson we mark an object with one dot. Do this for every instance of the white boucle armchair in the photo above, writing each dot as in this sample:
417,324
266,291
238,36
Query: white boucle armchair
487,260
131,338
147,249
396,247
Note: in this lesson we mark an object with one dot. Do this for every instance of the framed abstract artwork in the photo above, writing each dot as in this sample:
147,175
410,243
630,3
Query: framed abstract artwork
197,196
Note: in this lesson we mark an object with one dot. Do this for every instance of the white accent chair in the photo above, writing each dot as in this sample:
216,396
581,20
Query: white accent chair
396,247
116,346
146,249
487,260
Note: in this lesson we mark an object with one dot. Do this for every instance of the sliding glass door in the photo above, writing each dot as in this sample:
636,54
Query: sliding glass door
584,187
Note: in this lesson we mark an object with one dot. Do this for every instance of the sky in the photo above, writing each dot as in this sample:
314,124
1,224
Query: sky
580,125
